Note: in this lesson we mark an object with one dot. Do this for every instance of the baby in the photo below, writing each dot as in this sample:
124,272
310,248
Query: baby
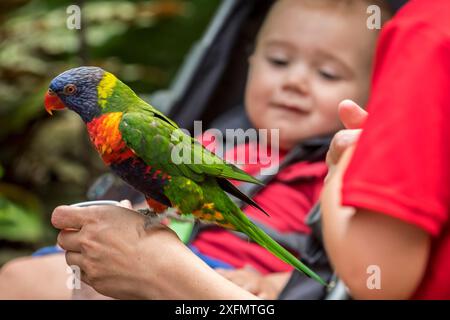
310,55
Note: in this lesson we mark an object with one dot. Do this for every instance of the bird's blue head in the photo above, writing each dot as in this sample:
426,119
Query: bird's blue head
76,89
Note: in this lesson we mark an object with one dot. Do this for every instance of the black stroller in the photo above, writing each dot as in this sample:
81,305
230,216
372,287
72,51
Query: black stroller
210,86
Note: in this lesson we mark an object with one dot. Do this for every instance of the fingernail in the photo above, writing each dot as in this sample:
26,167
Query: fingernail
126,203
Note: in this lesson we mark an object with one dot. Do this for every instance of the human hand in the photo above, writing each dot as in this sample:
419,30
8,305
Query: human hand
353,117
263,286
106,243
247,277
86,292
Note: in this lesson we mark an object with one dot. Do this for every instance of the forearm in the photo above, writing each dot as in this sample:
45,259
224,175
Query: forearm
351,251
335,222
358,239
179,274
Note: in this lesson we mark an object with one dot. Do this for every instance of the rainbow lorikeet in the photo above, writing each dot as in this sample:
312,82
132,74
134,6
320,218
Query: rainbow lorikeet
136,141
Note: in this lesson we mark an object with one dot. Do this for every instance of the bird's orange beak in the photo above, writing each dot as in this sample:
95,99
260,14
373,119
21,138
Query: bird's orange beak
52,102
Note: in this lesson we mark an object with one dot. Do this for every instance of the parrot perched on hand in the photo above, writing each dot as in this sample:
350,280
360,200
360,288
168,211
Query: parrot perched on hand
137,142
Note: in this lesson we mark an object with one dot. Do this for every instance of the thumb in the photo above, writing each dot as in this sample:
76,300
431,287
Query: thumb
351,114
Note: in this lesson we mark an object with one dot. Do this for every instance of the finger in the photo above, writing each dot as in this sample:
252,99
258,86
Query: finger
341,141
85,279
126,204
74,260
250,287
243,283
351,114
66,217
69,240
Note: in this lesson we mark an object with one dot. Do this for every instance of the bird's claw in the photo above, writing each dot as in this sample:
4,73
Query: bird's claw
151,217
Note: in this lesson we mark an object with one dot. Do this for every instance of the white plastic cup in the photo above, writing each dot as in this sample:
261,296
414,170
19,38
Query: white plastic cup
96,203
86,292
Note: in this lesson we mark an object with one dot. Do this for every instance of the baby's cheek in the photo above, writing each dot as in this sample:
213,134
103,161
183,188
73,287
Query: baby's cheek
328,110
257,113
330,122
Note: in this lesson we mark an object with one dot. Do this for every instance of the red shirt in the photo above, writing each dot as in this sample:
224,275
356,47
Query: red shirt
401,165
287,199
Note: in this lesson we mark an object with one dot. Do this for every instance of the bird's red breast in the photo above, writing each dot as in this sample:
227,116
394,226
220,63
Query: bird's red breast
107,139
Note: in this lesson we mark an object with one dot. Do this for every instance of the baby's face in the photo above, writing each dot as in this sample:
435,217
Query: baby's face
307,60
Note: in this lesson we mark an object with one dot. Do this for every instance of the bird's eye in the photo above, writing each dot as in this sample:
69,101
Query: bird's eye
70,89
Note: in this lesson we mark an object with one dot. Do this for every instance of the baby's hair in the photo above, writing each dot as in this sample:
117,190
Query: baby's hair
382,4
386,10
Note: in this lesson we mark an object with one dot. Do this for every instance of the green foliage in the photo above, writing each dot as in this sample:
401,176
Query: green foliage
49,161
143,43
19,214
18,223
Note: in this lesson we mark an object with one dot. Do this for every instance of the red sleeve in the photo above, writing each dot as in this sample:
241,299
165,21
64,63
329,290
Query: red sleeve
401,164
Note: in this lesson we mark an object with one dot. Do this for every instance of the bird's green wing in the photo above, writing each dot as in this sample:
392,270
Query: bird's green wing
159,114
164,147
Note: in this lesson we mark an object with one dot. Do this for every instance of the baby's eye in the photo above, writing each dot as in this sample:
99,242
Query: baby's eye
278,62
327,75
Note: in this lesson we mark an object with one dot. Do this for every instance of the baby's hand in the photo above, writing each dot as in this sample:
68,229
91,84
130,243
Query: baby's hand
353,117
264,286
247,278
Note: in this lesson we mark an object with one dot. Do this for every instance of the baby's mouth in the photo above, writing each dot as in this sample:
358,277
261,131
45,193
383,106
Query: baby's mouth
292,108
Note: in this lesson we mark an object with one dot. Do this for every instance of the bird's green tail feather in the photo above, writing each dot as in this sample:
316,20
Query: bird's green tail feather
243,224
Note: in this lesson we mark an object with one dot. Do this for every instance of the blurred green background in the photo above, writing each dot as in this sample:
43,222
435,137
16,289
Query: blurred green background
46,161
